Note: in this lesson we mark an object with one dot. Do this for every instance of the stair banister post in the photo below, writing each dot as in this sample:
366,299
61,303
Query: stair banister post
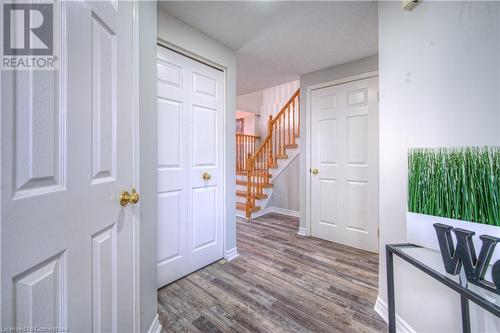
248,208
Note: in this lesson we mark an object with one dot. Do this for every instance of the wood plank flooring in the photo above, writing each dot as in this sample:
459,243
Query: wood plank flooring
281,282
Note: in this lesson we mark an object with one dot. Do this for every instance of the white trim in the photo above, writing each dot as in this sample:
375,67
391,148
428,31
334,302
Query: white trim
155,325
1,202
208,62
231,254
269,210
303,232
194,56
307,143
401,325
285,211
258,213
348,79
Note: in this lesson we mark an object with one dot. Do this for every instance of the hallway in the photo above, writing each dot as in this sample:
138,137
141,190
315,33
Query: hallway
281,282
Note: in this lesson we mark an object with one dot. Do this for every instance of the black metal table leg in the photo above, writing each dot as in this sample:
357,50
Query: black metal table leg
465,314
466,295
390,290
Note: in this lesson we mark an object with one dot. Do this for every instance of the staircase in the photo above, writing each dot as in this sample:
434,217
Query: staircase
259,162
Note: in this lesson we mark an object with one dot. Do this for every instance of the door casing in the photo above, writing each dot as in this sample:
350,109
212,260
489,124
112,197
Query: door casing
136,170
308,131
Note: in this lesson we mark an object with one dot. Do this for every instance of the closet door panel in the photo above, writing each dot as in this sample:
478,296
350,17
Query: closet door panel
190,165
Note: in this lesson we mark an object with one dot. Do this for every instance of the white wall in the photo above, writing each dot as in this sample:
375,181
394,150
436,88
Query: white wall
339,72
273,99
194,42
286,188
251,122
439,86
251,102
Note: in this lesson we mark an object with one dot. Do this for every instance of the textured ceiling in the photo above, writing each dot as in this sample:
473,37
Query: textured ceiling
275,42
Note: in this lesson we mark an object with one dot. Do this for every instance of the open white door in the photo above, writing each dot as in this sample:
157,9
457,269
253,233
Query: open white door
344,164
190,165
66,247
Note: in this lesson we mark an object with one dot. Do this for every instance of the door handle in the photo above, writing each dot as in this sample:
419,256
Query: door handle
206,176
129,198
314,171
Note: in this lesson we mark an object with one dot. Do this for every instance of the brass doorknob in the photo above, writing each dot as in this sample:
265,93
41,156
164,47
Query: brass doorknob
126,198
314,171
206,176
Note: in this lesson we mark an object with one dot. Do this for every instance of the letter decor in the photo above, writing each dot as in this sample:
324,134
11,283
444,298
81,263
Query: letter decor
465,254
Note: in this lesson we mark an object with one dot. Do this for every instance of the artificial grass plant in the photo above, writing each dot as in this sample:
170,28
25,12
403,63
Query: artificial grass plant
457,183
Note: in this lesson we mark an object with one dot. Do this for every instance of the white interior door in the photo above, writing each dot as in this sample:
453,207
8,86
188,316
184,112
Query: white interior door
66,247
190,145
344,151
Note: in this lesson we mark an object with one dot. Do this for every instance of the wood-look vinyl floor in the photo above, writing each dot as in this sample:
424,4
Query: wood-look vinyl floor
281,282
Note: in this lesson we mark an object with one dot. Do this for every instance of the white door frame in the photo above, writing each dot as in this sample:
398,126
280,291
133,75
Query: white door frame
136,164
309,90
222,68
1,308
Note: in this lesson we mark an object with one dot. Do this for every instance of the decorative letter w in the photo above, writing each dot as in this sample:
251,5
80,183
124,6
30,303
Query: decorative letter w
465,254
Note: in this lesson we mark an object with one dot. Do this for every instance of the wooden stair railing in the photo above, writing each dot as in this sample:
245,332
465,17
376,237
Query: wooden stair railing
282,131
245,144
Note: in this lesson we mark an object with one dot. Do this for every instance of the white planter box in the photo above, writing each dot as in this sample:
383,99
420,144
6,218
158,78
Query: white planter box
420,231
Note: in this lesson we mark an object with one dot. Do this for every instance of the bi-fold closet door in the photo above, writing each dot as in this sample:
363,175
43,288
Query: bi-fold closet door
190,165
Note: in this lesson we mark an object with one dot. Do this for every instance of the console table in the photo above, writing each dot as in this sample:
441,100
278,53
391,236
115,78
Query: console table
431,263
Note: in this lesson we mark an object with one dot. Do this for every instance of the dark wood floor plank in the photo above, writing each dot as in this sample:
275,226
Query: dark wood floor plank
246,306
281,282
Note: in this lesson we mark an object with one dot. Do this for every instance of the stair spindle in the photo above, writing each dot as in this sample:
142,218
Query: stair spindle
284,132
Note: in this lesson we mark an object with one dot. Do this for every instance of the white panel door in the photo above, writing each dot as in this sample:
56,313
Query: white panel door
66,243
344,151
190,145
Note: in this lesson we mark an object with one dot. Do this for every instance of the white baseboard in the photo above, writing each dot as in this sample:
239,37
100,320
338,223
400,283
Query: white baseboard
262,212
284,211
155,325
278,210
302,231
231,254
401,325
